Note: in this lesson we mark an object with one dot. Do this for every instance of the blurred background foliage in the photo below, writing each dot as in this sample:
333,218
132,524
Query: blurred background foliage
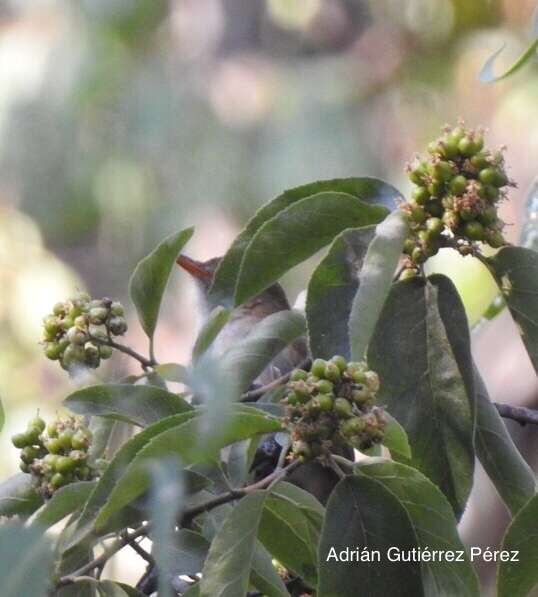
124,120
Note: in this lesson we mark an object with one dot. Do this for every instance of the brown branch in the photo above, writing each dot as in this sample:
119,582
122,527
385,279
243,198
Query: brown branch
520,414
258,392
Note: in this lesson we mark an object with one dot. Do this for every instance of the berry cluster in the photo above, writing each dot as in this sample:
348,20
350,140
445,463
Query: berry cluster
57,455
78,332
333,405
454,203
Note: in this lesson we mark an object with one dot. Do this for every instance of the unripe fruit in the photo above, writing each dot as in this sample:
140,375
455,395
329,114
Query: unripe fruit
418,214
58,480
418,255
435,208
408,247
480,161
53,350
458,185
324,386
51,324
85,473
466,146
451,219
38,423
360,394
78,455
80,440
298,374
325,401
372,381
340,362
442,171
488,215
434,225
293,399
342,407
495,239
64,464
53,445
493,176
105,352
32,434
20,440
76,336
408,273
332,372
50,460
59,309
420,195
490,192
98,315
318,368
116,308
65,438
474,230
435,189
73,354
466,214
353,366
358,376
353,426
67,323
24,467
52,429
117,325
418,172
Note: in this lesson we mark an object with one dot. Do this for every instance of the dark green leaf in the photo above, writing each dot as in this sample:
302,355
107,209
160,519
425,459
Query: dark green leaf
172,372
102,430
227,568
105,588
18,496
290,528
500,458
295,234
518,578
434,525
70,562
376,276
362,514
331,290
150,277
421,351
264,575
239,459
396,440
369,190
189,552
181,442
64,501
114,472
517,270
26,558
139,405
214,324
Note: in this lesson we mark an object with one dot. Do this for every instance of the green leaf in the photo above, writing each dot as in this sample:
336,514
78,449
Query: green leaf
433,523
172,372
263,574
217,319
363,515
227,569
369,190
396,440
331,290
296,233
511,475
421,352
249,357
517,270
106,588
139,405
63,502
25,562
150,277
487,74
290,529
2,416
376,277
517,579
18,496
114,471
189,552
181,442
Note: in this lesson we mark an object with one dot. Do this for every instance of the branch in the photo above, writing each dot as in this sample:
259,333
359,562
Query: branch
258,392
520,414
146,363
188,514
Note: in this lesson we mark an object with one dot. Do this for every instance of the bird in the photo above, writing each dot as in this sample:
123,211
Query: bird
315,478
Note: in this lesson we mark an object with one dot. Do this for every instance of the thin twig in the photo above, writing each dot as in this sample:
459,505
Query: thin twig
334,466
258,392
146,363
341,460
139,549
520,414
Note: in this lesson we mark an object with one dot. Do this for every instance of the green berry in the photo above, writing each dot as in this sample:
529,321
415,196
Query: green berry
105,352
32,433
340,362
490,192
436,189
51,325
292,398
318,368
466,146
53,445
116,308
466,214
37,422
474,230
488,215
64,464
332,372
117,325
298,374
418,255
495,239
408,273
53,350
353,426
360,394
52,429
67,323
354,366
451,219
73,354
442,171
434,225
418,215
84,473
65,438
24,467
458,185
342,407
20,440
78,455
59,309
435,208
92,358
372,381
493,176
480,161
326,402
58,480
420,195
50,460
76,336
418,172
81,440
358,376
408,247
324,386
98,315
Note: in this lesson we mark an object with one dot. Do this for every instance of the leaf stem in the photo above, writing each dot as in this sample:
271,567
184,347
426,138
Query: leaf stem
253,395
520,414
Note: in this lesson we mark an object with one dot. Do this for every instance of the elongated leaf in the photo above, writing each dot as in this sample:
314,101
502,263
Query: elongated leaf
517,269
189,552
26,558
263,574
217,319
2,416
363,515
227,569
296,233
114,472
172,372
487,72
150,277
369,190
434,525
249,357
519,575
376,278
18,496
64,501
331,291
421,351
511,475
290,529
181,442
139,405
166,497
396,440
106,588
